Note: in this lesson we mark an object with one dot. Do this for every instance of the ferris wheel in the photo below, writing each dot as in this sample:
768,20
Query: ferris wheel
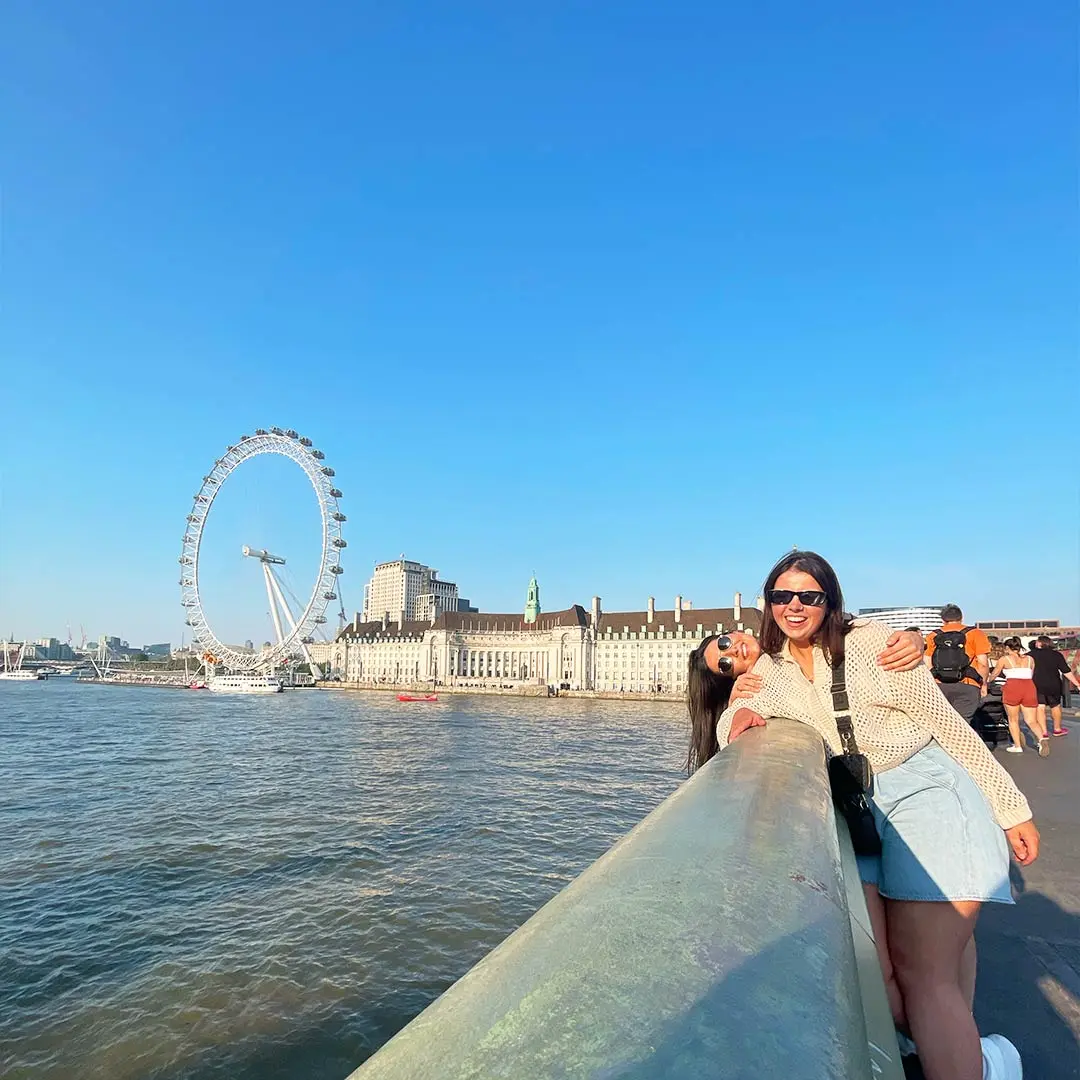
293,629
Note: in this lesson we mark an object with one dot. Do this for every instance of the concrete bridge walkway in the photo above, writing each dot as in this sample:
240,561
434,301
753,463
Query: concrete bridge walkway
1029,955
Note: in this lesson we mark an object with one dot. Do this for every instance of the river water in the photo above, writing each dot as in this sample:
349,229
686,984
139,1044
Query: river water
200,886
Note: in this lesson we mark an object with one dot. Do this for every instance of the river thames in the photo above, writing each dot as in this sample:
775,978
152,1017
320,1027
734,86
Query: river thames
200,886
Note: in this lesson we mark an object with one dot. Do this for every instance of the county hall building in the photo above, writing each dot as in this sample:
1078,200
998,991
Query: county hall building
643,652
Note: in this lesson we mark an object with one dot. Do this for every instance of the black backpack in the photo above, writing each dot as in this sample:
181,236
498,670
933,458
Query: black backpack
950,662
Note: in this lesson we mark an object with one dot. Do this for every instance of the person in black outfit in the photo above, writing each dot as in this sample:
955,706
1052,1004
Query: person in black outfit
1050,667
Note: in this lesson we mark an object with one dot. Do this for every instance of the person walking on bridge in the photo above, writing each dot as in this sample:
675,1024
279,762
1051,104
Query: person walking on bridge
1019,696
1050,668
959,659
942,811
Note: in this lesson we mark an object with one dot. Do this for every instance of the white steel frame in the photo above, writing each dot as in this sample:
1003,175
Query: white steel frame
288,444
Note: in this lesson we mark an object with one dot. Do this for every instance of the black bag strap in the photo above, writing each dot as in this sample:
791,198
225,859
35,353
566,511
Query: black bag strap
842,708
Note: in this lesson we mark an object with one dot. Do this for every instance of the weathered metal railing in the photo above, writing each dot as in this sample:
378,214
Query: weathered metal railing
724,937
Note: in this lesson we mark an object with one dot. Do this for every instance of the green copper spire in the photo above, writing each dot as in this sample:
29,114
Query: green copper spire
532,602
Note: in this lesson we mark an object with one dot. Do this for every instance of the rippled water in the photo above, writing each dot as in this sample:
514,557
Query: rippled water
200,886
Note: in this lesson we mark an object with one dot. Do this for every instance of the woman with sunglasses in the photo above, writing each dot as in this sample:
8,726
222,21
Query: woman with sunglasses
720,671
945,810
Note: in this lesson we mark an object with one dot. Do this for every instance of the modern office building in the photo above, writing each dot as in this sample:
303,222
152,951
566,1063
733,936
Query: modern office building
927,619
49,648
1004,628
407,590
1064,637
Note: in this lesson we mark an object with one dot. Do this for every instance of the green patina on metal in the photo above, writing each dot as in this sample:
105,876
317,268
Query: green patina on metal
714,940
532,601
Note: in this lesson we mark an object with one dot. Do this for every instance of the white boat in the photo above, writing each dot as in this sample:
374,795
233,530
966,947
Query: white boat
16,672
246,682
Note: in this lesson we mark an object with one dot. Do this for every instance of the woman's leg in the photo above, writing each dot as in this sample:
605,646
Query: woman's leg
1055,716
875,905
1034,721
969,963
1013,713
927,940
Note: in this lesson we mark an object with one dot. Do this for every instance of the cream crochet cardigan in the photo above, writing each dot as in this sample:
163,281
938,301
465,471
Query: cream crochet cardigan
894,713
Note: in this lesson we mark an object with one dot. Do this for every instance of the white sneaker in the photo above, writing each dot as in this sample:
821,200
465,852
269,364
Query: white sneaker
1044,748
907,1047
1001,1060
1014,749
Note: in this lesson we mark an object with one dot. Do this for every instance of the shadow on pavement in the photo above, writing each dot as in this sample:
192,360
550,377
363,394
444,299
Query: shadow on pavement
1028,986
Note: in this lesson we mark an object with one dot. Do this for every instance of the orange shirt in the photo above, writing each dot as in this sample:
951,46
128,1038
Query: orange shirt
975,644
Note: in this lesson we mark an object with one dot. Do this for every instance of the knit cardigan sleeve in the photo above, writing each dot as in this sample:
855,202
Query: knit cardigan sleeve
916,694
766,702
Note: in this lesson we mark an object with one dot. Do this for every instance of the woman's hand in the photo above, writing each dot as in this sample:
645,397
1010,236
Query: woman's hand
746,685
1023,838
742,720
903,651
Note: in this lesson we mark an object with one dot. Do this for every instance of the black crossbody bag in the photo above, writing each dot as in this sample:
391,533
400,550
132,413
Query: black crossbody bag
850,775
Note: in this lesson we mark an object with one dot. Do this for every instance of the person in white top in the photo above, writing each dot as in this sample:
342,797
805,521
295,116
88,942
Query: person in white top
1019,696
943,810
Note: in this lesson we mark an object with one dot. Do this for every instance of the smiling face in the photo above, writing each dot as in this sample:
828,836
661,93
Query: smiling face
743,651
798,621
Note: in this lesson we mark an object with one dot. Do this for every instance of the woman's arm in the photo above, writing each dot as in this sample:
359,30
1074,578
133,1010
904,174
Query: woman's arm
903,651
760,703
999,667
916,694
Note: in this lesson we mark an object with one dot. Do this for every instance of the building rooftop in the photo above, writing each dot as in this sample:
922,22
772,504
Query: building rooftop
576,616
692,618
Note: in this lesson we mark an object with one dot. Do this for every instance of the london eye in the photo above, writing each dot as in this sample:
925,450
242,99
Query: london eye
294,624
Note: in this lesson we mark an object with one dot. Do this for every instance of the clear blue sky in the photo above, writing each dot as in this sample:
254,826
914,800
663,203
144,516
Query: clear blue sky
633,296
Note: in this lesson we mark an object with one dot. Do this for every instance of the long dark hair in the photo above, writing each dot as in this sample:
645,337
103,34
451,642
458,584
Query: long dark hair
836,625
707,696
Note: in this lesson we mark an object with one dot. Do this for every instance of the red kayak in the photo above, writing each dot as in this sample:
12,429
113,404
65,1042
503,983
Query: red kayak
418,697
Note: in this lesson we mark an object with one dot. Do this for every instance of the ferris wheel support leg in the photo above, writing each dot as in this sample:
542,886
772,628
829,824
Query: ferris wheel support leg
270,590
275,585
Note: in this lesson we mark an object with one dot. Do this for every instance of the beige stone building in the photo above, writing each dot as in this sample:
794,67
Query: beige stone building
643,651
648,652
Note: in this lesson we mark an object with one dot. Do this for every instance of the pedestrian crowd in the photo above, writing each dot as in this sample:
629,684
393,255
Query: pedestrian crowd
1035,678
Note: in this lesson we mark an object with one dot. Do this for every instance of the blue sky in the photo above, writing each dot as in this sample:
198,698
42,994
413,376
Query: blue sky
632,296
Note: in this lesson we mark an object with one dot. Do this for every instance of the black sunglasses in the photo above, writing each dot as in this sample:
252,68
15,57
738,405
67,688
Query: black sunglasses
724,664
809,597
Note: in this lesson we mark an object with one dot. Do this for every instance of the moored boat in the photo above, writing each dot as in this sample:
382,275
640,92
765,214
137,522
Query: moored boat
245,682
16,672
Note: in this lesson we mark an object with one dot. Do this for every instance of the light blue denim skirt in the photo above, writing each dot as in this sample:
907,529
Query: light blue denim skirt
939,839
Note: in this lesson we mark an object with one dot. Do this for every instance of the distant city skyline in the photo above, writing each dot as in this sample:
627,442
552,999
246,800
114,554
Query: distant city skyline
630,297
887,613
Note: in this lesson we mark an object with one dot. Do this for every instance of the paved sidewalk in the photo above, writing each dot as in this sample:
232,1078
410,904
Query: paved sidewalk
1029,955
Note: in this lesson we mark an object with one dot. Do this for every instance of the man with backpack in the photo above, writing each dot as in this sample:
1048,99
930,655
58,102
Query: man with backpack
958,657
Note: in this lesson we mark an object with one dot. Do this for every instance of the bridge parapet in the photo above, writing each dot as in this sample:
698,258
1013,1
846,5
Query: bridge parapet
724,937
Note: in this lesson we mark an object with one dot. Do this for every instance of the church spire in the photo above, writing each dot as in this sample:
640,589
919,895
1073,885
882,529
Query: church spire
532,601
